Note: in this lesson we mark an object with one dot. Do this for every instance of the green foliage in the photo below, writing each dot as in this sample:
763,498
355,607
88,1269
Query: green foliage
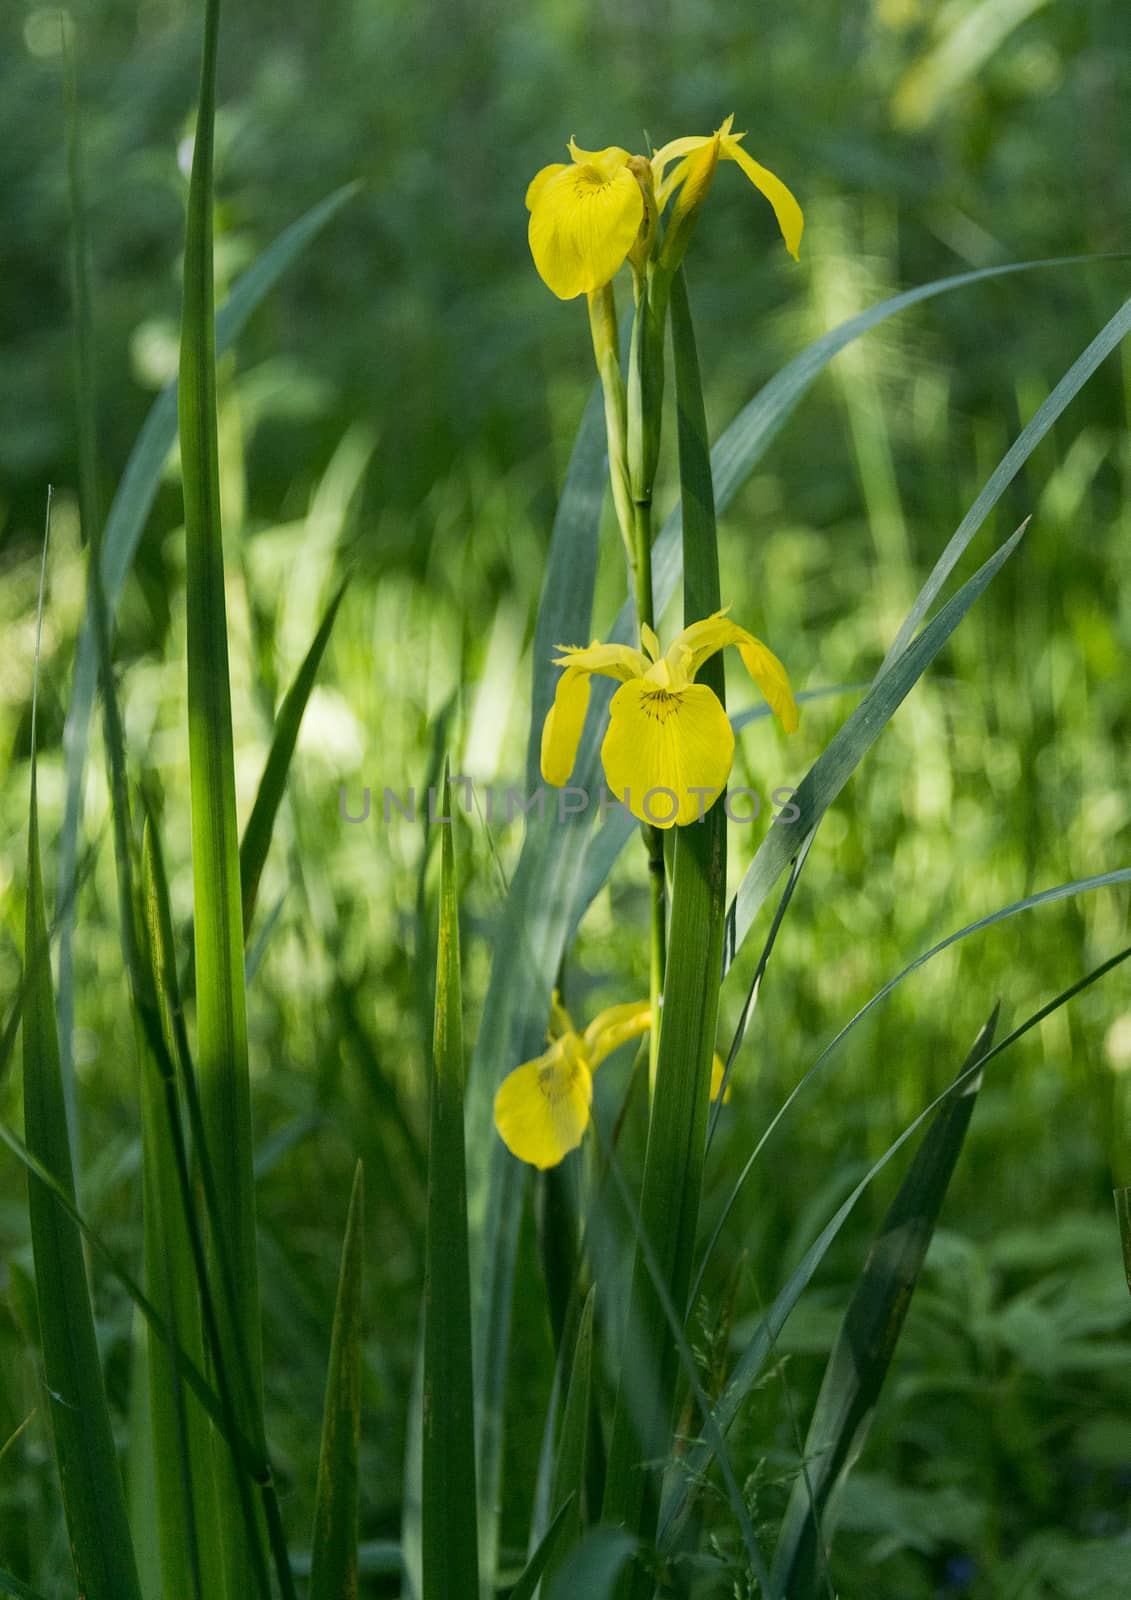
333,1570
396,395
450,1560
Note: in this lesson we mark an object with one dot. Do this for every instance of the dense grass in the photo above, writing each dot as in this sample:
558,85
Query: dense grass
402,406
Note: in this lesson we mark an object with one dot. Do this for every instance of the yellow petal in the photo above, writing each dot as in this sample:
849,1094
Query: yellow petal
718,1068
561,731
582,225
613,1027
542,1107
773,680
674,150
607,161
786,208
693,177
649,641
663,739
695,644
560,1023
611,660
539,181
679,150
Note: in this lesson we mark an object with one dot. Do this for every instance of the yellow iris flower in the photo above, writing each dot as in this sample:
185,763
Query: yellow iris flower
586,215
669,746
542,1108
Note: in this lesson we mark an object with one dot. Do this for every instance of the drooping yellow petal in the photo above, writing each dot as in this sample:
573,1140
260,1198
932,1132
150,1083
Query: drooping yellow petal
773,680
613,1027
582,225
561,731
663,739
611,660
695,644
542,1107
786,208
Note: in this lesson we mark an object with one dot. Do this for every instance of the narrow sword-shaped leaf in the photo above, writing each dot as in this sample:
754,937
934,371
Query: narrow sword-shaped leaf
1108,338
122,534
859,1361
217,907
569,1466
673,1164
750,1363
531,1574
566,603
542,908
744,441
836,764
1061,891
450,1558
527,951
256,839
186,1491
333,1569
595,1566
93,1496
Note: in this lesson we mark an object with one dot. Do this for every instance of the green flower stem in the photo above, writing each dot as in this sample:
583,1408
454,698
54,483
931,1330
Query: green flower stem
645,408
632,423
653,836
603,327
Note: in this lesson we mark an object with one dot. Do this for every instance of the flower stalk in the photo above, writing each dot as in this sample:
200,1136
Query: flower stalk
603,328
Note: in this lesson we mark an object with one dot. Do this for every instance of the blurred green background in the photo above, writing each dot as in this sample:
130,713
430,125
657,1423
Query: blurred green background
405,403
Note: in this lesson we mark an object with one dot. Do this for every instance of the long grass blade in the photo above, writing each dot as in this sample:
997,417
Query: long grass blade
122,533
859,1361
17,1589
673,1165
750,1363
188,1512
333,1571
595,1566
256,839
566,604
743,443
93,1497
218,917
569,1466
196,1379
1107,340
527,950
540,914
448,1507
1061,891
839,760
532,1573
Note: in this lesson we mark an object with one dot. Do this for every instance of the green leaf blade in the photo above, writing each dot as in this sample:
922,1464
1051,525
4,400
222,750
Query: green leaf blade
187,1510
861,1356
568,1489
93,1496
256,839
673,1165
333,1572
449,1537
217,904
